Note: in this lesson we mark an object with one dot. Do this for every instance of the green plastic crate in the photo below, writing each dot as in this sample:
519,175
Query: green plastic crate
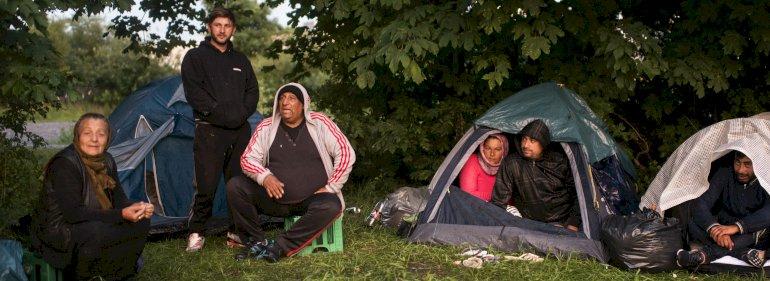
38,270
329,241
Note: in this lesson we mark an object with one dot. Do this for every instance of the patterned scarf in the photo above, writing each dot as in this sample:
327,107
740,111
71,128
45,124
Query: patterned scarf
96,167
489,167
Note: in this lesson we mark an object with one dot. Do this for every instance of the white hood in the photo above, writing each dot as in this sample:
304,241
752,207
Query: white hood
305,104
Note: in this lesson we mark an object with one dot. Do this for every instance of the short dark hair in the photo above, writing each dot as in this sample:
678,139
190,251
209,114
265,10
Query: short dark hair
220,12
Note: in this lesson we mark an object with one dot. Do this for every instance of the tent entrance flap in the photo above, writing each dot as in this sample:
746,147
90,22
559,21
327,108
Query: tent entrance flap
585,189
151,183
143,129
451,167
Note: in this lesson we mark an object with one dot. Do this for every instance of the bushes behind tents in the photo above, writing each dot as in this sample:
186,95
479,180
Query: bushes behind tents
20,182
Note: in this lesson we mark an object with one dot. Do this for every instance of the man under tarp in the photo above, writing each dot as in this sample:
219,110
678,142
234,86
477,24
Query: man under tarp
538,180
730,219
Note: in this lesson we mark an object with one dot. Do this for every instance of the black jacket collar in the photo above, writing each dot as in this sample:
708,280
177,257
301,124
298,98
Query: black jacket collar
207,42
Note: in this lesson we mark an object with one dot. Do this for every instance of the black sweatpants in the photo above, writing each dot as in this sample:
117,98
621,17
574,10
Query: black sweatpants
106,249
742,242
248,200
216,150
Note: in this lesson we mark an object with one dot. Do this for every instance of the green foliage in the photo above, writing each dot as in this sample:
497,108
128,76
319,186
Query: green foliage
274,73
253,33
31,75
183,16
105,75
406,78
34,75
80,59
20,171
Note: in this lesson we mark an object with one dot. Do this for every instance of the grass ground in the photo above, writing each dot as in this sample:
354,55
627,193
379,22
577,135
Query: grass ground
375,253
71,111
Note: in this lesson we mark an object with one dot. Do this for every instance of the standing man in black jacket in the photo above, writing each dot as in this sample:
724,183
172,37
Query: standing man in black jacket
538,181
221,87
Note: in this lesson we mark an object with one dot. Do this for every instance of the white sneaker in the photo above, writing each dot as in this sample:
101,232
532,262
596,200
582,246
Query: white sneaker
194,242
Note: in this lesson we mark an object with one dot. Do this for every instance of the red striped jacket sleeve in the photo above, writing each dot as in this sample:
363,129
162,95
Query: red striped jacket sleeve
256,150
340,150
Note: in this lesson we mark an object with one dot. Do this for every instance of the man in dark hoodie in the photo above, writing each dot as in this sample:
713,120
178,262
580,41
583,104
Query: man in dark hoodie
538,181
221,87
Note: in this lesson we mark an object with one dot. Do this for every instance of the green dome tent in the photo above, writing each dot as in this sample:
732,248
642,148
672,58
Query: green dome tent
600,168
568,117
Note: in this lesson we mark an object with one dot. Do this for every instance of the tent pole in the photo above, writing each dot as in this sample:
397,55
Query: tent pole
593,187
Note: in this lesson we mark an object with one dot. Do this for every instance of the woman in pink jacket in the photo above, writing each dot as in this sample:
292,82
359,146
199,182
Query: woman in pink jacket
478,175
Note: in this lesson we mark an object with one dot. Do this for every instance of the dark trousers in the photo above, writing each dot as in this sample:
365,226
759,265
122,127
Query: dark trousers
742,242
248,200
107,250
216,150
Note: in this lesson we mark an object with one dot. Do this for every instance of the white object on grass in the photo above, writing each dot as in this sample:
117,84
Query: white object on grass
525,257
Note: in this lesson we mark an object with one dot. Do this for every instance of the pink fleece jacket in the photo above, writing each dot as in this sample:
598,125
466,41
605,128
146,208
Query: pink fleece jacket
475,181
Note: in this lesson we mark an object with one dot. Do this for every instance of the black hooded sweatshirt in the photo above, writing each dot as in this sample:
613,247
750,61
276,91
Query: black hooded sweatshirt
542,190
220,86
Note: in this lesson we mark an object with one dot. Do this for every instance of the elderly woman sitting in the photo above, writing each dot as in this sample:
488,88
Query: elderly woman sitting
84,223
478,175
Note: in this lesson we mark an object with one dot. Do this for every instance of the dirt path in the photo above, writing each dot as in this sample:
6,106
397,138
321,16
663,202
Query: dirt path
50,131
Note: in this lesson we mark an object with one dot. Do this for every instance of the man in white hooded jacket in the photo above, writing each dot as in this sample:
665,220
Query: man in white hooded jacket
295,164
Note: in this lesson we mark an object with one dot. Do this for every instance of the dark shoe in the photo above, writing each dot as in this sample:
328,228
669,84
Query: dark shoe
265,249
754,257
252,249
692,258
274,253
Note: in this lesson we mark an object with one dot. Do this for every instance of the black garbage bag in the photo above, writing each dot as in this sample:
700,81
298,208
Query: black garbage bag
642,241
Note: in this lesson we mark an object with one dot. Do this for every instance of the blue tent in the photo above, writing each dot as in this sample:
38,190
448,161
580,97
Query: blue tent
152,143
600,168
11,268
